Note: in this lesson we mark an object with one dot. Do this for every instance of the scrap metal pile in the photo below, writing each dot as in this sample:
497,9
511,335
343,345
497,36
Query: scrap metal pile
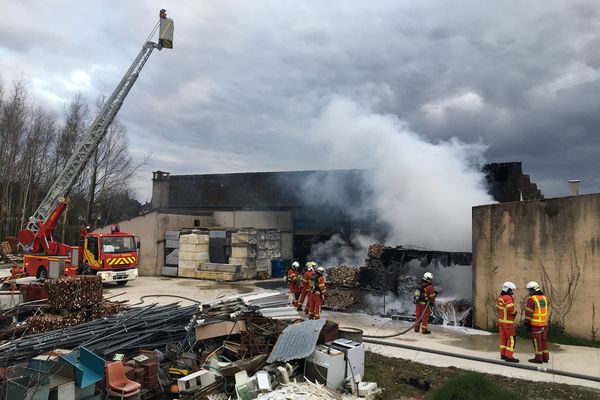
245,346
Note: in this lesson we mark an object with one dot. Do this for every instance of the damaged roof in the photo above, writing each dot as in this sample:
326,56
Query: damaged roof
297,341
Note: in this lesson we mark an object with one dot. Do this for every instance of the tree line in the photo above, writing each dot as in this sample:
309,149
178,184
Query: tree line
35,145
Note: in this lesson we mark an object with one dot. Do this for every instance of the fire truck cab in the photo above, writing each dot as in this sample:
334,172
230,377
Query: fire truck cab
112,256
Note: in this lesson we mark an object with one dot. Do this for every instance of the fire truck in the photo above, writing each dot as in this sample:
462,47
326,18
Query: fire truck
114,255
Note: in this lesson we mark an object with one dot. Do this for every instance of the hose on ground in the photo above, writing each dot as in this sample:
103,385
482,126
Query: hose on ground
417,323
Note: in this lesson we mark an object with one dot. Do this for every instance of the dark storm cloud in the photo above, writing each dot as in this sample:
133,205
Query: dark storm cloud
246,80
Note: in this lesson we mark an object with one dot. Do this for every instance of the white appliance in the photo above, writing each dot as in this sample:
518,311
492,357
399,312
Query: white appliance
355,356
327,366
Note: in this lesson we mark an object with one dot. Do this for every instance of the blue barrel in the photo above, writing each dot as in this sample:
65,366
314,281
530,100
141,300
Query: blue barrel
277,267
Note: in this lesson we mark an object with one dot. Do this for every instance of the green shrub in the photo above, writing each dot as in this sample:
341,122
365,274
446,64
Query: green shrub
470,386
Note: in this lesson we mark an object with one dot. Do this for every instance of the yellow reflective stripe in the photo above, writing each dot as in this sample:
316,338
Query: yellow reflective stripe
529,309
510,305
511,347
539,314
506,321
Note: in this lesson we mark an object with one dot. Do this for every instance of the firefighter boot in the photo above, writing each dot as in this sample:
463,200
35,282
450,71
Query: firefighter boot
511,360
535,360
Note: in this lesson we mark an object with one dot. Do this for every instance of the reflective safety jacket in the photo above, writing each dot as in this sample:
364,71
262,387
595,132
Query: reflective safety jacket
292,280
536,311
506,310
306,280
317,284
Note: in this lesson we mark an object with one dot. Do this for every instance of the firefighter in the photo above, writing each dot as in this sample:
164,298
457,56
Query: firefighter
507,312
317,292
424,300
162,13
305,287
293,283
536,322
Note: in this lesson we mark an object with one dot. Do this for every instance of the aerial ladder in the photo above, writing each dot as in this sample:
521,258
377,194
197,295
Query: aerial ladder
38,235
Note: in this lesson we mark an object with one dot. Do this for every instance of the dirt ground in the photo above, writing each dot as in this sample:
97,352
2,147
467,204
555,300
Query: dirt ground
394,374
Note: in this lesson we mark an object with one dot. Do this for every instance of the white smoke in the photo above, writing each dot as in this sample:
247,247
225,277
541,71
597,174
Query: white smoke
422,190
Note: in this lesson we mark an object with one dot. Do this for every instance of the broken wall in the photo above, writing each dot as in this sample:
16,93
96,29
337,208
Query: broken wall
555,242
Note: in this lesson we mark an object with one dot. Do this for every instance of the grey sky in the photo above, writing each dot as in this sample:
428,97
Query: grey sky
247,80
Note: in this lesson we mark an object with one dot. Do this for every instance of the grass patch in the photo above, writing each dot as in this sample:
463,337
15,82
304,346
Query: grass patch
470,386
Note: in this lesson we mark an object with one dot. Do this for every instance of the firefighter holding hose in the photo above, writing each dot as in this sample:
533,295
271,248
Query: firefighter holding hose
424,300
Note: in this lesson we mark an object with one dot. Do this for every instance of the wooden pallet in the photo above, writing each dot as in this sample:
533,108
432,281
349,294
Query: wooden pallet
218,276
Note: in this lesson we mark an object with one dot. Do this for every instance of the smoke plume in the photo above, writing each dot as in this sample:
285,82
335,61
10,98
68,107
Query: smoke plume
421,192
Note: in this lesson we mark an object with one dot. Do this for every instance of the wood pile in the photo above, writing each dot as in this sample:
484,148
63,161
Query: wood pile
74,292
7,253
375,250
50,322
343,276
340,298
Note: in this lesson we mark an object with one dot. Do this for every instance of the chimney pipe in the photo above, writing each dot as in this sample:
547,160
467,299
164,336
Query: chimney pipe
574,183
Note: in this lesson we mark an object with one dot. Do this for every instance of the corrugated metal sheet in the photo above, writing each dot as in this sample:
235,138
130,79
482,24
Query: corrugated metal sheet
297,341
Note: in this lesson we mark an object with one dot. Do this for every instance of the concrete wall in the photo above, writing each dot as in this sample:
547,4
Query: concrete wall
555,242
279,220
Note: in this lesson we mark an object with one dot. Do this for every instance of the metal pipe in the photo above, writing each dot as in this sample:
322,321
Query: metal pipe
485,360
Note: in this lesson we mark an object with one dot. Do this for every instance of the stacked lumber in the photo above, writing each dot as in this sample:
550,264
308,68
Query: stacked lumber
50,322
6,253
343,275
74,292
340,298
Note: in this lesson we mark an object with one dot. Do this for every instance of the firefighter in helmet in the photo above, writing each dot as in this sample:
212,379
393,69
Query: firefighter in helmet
507,312
317,292
536,322
305,282
293,281
424,300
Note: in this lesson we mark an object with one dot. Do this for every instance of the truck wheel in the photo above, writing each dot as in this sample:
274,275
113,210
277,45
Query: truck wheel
42,273
121,283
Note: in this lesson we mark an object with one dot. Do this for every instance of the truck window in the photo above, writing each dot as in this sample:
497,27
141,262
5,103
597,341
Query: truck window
92,246
118,244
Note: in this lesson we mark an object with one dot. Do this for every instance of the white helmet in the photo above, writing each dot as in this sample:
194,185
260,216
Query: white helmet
295,265
508,287
320,270
310,265
428,276
533,285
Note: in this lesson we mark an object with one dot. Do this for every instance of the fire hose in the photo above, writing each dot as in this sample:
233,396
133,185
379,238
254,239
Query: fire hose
417,323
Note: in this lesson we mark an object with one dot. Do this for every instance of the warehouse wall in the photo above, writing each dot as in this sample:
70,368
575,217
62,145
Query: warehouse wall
555,242
151,229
